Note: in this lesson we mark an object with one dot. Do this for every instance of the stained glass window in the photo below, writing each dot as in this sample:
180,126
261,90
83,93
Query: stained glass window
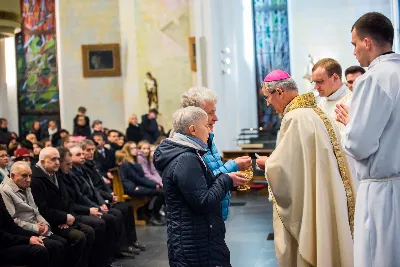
272,50
36,53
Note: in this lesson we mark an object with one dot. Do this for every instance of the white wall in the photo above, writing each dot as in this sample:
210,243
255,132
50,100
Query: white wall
87,22
227,23
322,28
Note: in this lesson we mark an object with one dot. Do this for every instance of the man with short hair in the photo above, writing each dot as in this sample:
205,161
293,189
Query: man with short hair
68,142
56,207
17,197
4,160
19,247
103,248
351,74
97,127
207,99
327,77
113,217
309,181
113,138
104,157
88,148
372,140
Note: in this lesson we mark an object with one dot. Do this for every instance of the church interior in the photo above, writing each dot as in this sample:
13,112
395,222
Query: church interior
75,70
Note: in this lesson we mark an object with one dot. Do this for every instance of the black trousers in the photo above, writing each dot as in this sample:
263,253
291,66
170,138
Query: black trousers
160,198
31,255
129,220
118,218
80,238
57,248
103,247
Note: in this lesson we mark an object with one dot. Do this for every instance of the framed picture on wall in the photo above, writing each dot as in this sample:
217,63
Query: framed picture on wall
192,53
101,60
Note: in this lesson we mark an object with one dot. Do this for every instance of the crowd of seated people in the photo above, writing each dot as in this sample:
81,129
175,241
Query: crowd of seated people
57,206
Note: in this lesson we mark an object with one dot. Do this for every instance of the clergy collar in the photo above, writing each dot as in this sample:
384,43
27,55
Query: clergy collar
341,92
384,57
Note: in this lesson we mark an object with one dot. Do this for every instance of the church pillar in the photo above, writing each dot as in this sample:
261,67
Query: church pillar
227,29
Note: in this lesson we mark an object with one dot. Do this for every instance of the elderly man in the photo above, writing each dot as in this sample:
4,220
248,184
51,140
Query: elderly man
371,139
327,77
207,100
19,202
196,231
20,247
57,208
309,181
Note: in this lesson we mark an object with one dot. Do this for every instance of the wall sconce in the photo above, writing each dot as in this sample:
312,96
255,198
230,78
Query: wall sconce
226,60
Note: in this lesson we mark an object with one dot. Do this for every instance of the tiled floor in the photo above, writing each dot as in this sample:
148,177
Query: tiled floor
247,229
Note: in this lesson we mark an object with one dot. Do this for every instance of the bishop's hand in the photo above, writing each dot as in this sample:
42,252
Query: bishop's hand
261,162
342,114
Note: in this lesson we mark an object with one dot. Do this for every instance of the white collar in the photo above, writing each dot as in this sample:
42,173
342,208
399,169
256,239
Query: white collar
340,93
383,58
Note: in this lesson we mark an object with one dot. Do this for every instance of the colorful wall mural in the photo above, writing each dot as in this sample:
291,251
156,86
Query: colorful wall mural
36,58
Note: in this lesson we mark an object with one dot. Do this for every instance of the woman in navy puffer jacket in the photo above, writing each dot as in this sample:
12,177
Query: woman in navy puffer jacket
196,230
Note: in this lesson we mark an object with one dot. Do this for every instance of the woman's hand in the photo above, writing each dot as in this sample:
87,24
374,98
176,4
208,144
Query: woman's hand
238,178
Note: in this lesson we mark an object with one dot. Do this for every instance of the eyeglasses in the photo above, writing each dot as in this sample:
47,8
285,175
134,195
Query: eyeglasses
271,93
321,81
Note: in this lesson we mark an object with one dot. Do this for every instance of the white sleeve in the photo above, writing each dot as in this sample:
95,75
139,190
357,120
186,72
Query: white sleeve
370,110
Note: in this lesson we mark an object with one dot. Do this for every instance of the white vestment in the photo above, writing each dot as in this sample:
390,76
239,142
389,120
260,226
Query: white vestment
311,189
342,96
372,139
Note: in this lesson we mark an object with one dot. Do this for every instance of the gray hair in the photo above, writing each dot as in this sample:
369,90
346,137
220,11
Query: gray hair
45,152
18,165
72,149
85,143
196,96
184,117
285,85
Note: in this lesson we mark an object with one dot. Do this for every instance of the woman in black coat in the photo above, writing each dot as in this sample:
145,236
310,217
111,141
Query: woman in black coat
196,230
134,182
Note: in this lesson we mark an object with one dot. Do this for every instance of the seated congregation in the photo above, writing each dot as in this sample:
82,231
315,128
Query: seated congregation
75,200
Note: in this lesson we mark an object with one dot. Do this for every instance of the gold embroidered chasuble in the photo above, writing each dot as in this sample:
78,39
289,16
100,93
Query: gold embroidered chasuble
312,190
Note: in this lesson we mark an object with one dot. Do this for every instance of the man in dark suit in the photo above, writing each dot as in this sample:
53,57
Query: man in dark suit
105,157
105,191
113,217
57,208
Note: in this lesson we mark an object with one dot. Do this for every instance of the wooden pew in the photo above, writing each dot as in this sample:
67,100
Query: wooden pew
136,202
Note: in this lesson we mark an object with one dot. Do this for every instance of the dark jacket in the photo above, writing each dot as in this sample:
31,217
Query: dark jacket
82,204
77,125
54,140
86,186
98,181
134,181
133,133
196,230
53,202
149,129
10,233
105,163
82,131
5,136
